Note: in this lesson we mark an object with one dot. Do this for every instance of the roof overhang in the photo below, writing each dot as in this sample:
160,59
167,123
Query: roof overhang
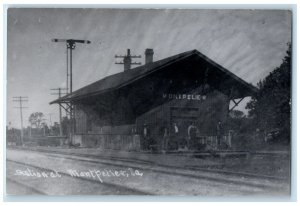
221,78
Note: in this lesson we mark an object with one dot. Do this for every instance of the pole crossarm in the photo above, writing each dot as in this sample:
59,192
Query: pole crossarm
132,56
59,89
57,93
127,60
72,41
137,63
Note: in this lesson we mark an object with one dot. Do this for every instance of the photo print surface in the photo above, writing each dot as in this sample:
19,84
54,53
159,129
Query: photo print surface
189,102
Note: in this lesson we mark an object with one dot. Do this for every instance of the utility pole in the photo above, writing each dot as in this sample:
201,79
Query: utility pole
50,120
127,60
60,116
44,126
21,99
30,134
71,44
68,76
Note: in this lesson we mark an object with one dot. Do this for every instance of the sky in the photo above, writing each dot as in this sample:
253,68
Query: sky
249,43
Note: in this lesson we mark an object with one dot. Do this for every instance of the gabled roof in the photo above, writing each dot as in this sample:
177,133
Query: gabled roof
122,79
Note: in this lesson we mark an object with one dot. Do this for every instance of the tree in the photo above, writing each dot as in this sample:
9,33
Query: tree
36,119
270,108
237,114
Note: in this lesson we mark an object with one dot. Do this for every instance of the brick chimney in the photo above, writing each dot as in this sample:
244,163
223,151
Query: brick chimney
149,56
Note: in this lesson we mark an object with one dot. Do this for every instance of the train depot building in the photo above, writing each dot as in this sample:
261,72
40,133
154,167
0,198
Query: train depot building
180,102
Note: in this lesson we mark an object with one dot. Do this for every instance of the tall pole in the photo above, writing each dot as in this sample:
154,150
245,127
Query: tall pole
60,118
44,126
44,129
50,120
30,134
71,46
21,99
71,43
71,74
67,69
22,134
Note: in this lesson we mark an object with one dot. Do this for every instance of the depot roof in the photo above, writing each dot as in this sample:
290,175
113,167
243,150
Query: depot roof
122,79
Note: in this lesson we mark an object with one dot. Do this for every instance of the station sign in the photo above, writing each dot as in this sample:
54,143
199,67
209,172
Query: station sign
185,96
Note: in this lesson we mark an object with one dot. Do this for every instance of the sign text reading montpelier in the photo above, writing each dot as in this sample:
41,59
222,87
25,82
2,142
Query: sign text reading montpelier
185,96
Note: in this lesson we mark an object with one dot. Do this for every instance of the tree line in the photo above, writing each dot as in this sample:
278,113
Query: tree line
270,108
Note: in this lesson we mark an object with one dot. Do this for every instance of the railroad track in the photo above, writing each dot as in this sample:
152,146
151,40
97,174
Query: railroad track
241,174
25,186
225,177
100,158
121,188
131,160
